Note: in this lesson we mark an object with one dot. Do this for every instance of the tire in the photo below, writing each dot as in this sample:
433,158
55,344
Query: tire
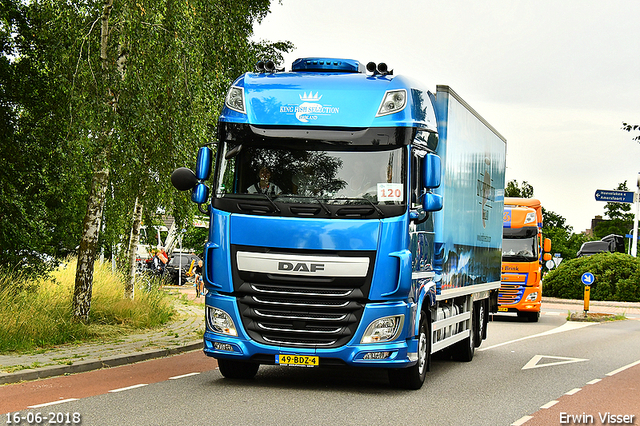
232,369
529,316
533,316
413,377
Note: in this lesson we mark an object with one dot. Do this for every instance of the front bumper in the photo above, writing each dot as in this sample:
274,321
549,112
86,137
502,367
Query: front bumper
400,353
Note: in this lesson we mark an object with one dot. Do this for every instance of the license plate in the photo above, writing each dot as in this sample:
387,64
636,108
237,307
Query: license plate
298,360
503,309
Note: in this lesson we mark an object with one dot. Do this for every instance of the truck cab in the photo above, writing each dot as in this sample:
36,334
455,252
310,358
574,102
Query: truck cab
523,251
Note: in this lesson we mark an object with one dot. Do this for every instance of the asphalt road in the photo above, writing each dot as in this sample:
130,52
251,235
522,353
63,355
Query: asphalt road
520,368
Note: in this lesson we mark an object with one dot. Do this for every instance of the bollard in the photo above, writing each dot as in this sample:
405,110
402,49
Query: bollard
587,291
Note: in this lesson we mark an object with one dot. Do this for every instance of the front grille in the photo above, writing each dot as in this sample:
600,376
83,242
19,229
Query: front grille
297,311
510,294
290,319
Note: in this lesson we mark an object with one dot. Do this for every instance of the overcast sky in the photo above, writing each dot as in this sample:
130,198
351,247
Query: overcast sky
555,77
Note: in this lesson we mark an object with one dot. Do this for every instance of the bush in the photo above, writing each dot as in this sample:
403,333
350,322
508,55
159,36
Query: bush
617,278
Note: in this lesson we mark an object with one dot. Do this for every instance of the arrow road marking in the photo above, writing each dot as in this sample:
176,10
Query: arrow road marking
563,360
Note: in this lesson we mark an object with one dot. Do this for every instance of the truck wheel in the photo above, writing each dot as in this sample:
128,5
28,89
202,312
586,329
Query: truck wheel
232,369
414,376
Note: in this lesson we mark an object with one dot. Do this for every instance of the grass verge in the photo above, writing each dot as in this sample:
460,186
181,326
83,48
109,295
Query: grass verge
37,314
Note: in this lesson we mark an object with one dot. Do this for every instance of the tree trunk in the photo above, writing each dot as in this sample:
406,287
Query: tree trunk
91,223
134,240
89,244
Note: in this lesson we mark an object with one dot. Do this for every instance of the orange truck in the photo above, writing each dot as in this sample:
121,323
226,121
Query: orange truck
523,251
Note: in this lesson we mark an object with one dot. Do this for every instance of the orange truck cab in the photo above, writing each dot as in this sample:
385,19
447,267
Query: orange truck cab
523,251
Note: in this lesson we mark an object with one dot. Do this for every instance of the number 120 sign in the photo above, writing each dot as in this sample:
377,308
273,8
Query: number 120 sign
390,192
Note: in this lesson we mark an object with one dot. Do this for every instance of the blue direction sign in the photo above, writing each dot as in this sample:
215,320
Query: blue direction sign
614,196
588,278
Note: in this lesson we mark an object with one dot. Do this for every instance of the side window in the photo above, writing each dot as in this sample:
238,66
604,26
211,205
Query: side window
416,168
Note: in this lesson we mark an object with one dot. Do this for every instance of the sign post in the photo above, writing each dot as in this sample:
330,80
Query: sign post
615,196
587,280
634,241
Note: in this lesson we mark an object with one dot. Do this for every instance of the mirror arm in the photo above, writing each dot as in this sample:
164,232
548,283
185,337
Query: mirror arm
203,211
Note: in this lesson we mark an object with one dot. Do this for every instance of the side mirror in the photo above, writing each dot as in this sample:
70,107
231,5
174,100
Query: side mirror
547,245
183,179
200,194
546,256
431,171
203,163
432,202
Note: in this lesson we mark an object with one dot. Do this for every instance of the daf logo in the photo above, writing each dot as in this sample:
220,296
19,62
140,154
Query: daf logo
300,267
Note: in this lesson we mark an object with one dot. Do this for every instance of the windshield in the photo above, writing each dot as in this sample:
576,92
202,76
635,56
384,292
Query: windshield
286,175
520,244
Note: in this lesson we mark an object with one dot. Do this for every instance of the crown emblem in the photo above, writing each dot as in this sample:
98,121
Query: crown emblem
310,97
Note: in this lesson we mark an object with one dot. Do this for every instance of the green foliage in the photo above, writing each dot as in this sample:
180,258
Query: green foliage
617,278
563,240
194,239
41,203
149,105
512,189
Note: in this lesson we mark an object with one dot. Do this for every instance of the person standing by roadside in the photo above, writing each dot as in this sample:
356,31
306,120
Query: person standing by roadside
199,280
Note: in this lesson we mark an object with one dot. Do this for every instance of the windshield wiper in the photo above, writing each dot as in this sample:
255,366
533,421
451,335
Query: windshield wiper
270,200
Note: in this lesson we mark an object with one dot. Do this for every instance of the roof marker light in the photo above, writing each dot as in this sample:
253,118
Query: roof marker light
235,99
393,101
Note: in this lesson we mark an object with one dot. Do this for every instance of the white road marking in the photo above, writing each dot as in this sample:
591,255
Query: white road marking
53,403
184,375
568,326
521,421
573,391
533,363
593,382
128,388
623,368
549,404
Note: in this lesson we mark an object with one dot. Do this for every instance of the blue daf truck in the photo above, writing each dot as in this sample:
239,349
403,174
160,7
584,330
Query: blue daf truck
355,220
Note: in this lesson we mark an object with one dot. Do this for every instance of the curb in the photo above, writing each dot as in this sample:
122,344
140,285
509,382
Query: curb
90,365
591,302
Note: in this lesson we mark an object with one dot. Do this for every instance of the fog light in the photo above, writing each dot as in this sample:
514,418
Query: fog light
222,347
377,355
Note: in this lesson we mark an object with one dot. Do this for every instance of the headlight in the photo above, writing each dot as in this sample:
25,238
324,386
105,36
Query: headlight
394,101
532,296
219,321
383,329
531,217
235,99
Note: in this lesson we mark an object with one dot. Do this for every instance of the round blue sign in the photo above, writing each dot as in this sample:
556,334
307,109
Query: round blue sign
588,278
